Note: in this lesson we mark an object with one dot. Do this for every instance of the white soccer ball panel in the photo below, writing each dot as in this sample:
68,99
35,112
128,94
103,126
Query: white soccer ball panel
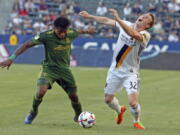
86,119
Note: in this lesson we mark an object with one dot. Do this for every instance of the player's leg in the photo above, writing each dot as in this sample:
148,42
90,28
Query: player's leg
113,83
112,102
73,96
132,86
69,85
41,90
43,84
134,106
135,109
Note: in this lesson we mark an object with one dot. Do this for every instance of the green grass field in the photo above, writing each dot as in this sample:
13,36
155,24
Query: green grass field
159,98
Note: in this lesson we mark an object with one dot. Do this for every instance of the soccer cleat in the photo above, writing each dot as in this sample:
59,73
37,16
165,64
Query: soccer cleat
138,125
76,118
30,117
120,115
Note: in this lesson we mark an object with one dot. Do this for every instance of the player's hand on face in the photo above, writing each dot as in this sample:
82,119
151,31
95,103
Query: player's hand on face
7,63
114,13
84,14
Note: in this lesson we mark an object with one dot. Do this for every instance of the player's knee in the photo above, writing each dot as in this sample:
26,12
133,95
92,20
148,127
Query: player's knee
41,92
133,104
74,97
107,100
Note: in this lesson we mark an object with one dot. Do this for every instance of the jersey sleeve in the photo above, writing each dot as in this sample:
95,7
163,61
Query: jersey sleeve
72,33
39,39
146,38
117,25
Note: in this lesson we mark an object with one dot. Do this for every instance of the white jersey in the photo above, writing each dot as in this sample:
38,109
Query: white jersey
126,56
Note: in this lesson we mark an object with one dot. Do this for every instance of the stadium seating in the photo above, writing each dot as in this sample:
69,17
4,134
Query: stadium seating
47,10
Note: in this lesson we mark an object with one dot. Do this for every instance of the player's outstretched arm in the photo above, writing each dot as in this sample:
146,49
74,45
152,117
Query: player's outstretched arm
99,19
7,63
130,31
90,30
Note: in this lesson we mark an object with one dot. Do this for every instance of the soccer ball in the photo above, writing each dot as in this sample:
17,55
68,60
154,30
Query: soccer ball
86,119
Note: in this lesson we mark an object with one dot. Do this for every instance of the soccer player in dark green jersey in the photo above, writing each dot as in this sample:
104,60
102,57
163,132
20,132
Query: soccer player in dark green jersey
55,66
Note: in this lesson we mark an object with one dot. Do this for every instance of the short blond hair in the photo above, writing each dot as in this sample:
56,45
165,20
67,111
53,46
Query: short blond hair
153,20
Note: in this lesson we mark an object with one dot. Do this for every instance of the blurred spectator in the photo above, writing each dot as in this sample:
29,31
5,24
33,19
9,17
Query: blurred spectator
177,24
29,5
52,16
79,24
160,36
29,16
109,33
27,22
42,5
137,9
152,6
77,9
16,6
13,39
39,26
17,20
173,6
101,9
127,10
69,10
102,32
89,24
14,13
158,27
165,1
167,22
23,12
173,37
18,30
62,6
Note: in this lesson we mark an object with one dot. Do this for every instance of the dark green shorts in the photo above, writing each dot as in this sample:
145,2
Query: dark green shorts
65,79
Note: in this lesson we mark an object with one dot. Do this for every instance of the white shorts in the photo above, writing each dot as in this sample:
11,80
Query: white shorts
115,83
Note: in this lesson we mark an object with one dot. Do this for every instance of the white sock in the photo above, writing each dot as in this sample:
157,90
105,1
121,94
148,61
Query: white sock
115,105
136,113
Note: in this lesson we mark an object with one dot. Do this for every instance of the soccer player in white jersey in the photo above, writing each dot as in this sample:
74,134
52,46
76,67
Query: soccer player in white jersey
123,73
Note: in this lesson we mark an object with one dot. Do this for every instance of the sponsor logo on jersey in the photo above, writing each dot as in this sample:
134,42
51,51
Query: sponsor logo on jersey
127,40
61,47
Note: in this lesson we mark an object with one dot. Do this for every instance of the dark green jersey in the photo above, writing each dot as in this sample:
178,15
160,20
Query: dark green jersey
57,51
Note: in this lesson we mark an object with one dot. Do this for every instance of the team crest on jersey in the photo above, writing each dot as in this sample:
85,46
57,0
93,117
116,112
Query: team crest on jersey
37,37
68,41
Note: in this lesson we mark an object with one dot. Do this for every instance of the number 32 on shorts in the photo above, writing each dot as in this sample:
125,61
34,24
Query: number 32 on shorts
133,85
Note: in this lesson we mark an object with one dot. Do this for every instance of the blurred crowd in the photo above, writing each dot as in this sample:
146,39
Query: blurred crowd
33,16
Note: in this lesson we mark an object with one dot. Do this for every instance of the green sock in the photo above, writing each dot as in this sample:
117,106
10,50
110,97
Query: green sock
77,108
36,103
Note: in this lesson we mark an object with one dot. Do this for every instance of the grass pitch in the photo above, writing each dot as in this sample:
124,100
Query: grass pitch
159,100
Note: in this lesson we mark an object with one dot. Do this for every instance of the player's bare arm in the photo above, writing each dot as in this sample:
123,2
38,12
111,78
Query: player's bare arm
24,47
91,30
7,63
99,19
130,31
